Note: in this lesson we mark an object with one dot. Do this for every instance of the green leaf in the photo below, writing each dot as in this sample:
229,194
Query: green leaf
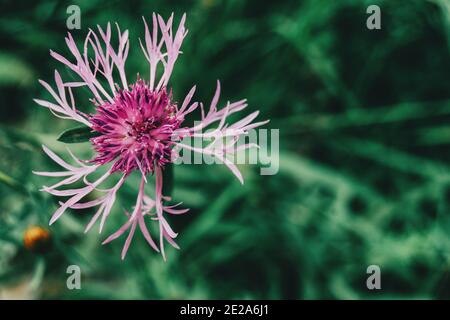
12,183
77,135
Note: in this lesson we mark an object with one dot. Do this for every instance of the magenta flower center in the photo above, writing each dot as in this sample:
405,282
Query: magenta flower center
135,130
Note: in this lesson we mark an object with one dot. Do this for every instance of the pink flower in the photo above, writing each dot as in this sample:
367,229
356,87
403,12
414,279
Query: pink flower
137,127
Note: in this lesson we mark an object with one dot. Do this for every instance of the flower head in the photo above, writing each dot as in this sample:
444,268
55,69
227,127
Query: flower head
135,130
138,127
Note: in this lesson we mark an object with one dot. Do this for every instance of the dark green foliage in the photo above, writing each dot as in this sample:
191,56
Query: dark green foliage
364,154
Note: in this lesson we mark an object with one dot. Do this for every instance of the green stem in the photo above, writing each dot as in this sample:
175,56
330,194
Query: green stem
12,183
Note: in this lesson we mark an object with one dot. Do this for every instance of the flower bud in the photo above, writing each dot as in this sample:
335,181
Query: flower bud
36,238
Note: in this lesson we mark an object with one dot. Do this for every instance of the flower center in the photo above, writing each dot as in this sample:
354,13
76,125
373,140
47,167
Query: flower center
140,130
135,129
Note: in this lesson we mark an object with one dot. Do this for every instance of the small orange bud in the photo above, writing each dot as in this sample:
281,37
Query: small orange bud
36,238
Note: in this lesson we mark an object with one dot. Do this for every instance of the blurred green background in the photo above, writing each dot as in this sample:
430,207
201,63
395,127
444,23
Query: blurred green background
364,154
